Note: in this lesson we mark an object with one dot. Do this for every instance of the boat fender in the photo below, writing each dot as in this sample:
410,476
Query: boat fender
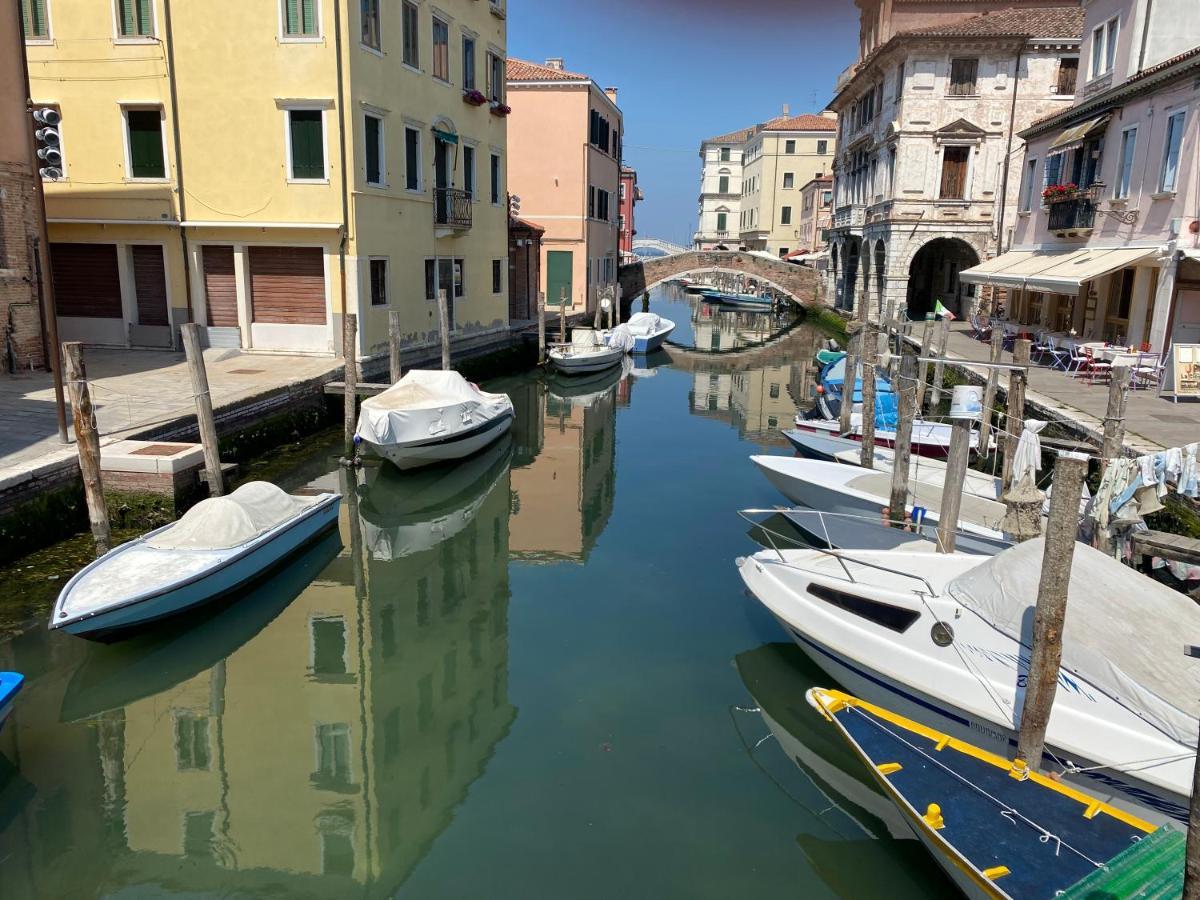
358,439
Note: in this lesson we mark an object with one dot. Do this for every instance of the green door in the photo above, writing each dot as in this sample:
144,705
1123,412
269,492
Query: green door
559,264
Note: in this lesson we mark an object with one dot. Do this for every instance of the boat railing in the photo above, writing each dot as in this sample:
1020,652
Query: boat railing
839,555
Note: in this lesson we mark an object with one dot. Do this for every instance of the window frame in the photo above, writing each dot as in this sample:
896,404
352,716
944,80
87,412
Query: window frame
387,277
966,183
470,83
287,133
1058,77
419,166
410,40
1172,115
118,36
41,39
470,170
126,108
1108,32
789,180
785,215
434,21
497,277
1123,163
381,149
974,83
377,47
285,38
789,147
1025,197
496,177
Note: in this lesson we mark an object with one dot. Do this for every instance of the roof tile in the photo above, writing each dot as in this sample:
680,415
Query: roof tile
1048,22
522,70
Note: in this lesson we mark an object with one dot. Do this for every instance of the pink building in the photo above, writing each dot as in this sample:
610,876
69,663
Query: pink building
630,196
564,162
816,213
1106,238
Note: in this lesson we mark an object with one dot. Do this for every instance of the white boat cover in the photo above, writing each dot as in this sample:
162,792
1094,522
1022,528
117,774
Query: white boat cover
1124,632
644,324
427,404
621,338
221,523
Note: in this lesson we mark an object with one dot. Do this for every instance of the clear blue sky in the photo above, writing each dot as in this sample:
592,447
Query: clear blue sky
687,71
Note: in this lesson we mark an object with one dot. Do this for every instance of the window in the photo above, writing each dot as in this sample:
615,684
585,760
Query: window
445,274
328,634
723,184
306,141
495,178
591,201
299,18
378,274
962,77
789,179
954,173
1125,163
469,171
899,81
198,834
1068,70
1053,172
1170,166
1104,47
621,190
145,143
333,754
441,50
34,20
785,215
822,148
412,159
370,23
496,74
468,63
895,618
789,146
373,144
191,742
497,276
1027,185
621,223
722,221
826,198
724,154
135,18
410,49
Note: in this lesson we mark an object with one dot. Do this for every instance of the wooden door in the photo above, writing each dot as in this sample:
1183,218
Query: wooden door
150,284
87,282
559,274
220,286
287,285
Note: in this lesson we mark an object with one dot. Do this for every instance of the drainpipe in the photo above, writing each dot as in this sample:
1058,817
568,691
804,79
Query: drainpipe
1012,119
181,197
341,118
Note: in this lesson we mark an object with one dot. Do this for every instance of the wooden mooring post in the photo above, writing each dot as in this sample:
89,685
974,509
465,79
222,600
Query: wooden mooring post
926,335
87,444
869,344
562,315
350,397
906,411
1050,612
394,345
444,320
952,487
541,311
205,423
989,392
1114,416
939,367
851,373
1014,417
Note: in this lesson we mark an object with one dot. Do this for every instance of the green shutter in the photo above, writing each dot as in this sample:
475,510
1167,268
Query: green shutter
33,15
291,17
145,25
126,9
145,143
308,8
308,154
374,176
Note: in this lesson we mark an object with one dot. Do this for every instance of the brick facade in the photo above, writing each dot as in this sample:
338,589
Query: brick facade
799,282
20,319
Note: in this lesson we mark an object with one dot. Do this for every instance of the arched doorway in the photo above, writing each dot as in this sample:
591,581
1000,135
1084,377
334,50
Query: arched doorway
850,279
933,276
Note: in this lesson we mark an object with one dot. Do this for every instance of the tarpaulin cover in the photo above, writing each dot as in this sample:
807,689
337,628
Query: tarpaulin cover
426,405
221,523
1124,633
621,338
644,324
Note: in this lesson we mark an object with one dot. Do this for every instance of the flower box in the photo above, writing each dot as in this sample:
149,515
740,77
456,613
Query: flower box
475,98
1057,192
500,109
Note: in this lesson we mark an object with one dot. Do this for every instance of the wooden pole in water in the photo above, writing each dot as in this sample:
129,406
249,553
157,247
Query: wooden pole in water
204,412
350,384
394,345
1046,655
562,315
851,374
906,402
952,487
939,366
989,392
444,319
541,305
869,346
1014,417
618,298
1114,417
87,444
924,376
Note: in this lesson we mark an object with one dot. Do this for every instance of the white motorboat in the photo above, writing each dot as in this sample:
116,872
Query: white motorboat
587,352
928,438
945,638
852,491
431,416
649,331
218,546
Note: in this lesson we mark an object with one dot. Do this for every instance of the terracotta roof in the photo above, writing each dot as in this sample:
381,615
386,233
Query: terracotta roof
522,70
800,123
733,137
1050,22
526,225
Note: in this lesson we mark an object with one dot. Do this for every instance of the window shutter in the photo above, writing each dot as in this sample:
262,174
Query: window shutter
34,14
308,156
308,8
372,150
145,24
291,17
145,143
126,11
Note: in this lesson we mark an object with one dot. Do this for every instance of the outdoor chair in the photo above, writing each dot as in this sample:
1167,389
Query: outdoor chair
1147,371
1076,361
1096,368
981,329
1058,354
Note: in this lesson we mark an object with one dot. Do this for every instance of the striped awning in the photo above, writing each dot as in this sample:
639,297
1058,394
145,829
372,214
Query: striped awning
1077,134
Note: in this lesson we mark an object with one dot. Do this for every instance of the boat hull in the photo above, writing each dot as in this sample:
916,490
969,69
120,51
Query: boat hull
241,571
651,343
590,362
460,446
932,443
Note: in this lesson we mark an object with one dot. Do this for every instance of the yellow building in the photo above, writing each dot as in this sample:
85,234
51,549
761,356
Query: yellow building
260,167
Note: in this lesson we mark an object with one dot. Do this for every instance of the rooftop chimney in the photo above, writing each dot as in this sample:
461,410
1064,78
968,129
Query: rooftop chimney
828,114
611,93
555,62
787,110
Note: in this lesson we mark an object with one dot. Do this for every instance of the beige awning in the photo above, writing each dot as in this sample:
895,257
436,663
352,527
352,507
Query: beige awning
1077,134
1069,275
982,273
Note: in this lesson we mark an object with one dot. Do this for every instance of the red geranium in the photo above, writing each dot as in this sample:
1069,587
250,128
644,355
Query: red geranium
475,98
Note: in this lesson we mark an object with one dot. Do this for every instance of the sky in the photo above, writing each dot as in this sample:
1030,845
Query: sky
687,70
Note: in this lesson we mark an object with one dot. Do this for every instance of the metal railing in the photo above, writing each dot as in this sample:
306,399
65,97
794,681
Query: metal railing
452,207
1073,213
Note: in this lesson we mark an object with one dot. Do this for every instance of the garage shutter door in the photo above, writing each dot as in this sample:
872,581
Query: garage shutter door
220,290
287,285
150,283
86,281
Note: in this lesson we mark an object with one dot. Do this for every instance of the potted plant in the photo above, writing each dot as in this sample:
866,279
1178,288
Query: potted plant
1059,192
474,97
500,109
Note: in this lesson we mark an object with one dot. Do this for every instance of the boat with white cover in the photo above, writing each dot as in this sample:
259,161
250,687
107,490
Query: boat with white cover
928,438
946,638
589,351
219,545
649,331
431,416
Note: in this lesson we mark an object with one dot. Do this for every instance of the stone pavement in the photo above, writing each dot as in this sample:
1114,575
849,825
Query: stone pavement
133,390
1151,422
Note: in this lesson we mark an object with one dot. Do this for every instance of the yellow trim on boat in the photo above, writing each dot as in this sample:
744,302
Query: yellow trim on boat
834,701
996,872
888,768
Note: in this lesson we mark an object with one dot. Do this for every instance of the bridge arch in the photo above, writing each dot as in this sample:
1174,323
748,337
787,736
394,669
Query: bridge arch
798,282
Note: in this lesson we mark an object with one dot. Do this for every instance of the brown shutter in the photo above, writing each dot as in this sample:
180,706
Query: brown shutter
86,280
150,284
220,286
954,173
287,285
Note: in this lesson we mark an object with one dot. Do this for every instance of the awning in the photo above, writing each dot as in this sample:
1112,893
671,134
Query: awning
447,137
1060,273
1077,134
982,273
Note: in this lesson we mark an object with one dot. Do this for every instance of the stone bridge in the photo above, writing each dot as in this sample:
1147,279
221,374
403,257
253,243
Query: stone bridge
798,282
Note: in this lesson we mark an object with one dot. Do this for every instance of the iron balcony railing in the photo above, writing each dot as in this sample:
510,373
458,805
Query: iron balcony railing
1072,212
452,208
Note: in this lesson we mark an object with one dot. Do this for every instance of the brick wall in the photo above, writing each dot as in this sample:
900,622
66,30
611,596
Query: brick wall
20,320
798,281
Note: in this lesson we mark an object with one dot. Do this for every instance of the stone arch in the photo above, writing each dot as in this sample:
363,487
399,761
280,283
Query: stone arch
933,274
880,256
797,282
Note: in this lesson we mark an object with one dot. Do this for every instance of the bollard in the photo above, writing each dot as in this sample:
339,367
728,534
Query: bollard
204,413
394,345
350,383
87,444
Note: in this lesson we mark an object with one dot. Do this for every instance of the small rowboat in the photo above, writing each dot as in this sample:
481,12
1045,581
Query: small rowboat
587,352
220,545
10,686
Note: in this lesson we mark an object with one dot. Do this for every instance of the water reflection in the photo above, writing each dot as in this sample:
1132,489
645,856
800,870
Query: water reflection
713,328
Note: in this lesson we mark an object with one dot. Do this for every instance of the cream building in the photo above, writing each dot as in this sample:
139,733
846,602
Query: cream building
780,157
260,168
721,191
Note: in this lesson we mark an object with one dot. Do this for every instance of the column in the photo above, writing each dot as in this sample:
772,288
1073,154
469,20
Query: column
1138,305
1164,298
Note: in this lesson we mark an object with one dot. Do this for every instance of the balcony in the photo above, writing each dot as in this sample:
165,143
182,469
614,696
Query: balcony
451,210
1072,213
850,216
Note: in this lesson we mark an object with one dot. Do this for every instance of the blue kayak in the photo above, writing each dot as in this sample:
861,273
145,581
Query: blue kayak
10,685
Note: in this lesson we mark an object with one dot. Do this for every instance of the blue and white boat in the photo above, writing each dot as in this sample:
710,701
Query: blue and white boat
220,545
743,301
649,330
10,686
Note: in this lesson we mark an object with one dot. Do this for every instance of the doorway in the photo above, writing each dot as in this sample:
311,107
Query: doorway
559,271
933,276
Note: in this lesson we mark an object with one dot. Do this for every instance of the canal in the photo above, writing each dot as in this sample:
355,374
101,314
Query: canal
533,675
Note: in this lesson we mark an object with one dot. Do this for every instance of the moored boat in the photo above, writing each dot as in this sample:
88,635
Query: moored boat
649,331
219,545
928,438
587,352
429,417
10,686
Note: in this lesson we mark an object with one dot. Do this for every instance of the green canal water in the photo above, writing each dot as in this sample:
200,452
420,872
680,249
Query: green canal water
534,675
